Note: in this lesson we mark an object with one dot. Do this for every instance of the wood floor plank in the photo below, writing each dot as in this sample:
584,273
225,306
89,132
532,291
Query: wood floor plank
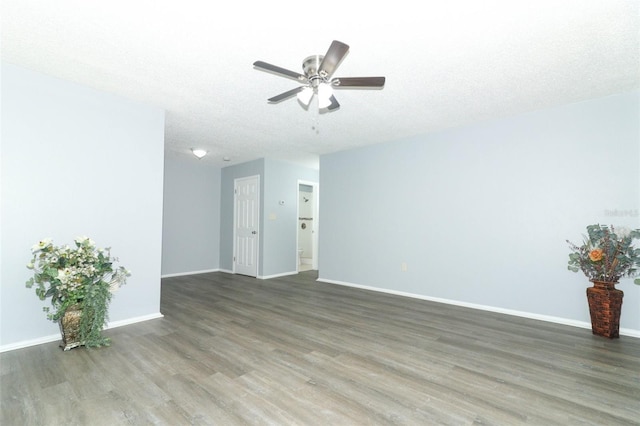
234,350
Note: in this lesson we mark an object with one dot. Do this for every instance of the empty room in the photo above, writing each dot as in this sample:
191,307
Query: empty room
320,214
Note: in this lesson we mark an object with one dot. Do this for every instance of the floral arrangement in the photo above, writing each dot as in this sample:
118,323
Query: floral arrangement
607,254
83,275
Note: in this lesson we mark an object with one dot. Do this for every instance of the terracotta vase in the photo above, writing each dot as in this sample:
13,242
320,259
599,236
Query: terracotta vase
605,305
70,327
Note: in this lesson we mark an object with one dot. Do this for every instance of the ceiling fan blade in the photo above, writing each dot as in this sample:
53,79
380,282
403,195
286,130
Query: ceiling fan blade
279,71
286,95
334,103
334,56
347,82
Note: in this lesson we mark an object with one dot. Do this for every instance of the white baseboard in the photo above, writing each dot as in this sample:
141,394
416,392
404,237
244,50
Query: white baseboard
116,324
284,274
55,337
558,320
263,277
181,274
27,343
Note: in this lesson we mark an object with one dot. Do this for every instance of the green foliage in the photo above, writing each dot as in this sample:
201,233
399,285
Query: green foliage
607,254
94,315
83,275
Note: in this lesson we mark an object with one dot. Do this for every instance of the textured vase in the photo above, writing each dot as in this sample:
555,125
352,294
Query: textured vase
605,305
70,328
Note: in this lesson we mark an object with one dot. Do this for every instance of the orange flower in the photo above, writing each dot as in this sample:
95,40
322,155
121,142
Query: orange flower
595,255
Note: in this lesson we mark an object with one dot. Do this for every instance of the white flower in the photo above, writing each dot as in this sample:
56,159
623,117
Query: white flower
622,232
40,245
118,279
84,240
63,275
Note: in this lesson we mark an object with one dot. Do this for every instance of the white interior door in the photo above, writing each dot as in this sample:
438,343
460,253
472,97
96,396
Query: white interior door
246,221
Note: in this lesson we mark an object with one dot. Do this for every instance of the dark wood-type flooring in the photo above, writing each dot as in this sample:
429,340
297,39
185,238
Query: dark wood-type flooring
233,350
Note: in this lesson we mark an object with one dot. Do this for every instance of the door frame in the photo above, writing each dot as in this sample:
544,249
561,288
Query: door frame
259,219
315,227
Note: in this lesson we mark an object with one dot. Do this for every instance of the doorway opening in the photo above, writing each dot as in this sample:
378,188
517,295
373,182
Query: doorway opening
307,234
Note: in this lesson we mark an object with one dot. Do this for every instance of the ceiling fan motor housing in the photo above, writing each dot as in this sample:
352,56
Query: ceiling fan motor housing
310,67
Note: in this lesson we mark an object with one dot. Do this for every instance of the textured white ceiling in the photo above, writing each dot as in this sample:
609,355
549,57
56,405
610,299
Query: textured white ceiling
447,63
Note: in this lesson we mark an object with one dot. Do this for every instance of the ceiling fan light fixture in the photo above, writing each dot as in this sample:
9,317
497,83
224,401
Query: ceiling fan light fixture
324,103
317,78
305,95
325,92
198,152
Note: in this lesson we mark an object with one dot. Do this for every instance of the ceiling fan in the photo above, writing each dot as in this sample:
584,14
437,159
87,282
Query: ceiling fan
317,79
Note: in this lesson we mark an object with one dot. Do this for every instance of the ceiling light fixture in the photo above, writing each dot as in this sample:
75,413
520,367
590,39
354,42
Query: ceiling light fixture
199,152
305,95
325,92
317,79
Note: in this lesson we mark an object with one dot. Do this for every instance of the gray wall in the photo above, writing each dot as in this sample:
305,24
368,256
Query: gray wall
191,215
480,214
278,238
280,235
76,161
